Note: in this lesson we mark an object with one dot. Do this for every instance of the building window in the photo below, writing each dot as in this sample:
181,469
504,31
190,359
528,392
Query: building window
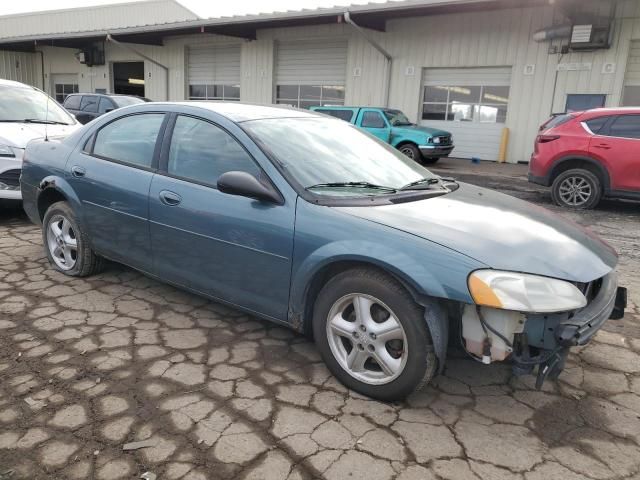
577,102
483,104
63,90
305,96
215,92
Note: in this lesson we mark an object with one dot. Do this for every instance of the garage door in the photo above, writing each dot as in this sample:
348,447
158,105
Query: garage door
311,73
63,85
631,90
471,103
214,72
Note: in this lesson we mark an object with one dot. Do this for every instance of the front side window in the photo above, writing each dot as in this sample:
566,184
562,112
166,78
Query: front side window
63,90
464,103
625,126
18,104
130,139
215,92
201,151
305,96
105,105
373,120
319,151
89,104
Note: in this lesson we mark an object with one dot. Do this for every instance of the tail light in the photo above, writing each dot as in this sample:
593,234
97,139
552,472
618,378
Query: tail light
546,138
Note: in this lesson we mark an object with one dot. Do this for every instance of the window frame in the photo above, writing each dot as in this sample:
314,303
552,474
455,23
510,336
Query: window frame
476,105
163,166
75,88
606,130
207,97
295,102
91,142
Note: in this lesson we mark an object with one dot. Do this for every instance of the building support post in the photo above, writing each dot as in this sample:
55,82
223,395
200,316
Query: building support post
145,57
361,31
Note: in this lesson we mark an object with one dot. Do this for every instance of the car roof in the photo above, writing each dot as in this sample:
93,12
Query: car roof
242,112
609,110
11,83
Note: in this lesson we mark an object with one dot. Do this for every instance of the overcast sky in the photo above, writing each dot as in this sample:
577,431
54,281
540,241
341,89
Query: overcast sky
204,8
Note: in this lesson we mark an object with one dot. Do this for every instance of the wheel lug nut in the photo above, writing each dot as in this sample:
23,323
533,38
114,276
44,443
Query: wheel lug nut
356,334
372,335
360,347
371,348
363,328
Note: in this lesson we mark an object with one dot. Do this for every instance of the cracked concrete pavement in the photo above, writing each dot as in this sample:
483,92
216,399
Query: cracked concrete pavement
87,365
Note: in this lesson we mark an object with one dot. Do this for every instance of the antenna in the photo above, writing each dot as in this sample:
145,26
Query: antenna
46,120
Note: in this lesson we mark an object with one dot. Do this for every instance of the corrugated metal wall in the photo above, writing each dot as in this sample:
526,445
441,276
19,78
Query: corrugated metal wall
21,67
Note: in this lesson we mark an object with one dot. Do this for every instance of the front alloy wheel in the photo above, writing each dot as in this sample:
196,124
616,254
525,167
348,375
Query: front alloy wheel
367,339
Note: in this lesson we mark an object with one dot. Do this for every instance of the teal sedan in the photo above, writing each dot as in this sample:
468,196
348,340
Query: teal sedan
393,127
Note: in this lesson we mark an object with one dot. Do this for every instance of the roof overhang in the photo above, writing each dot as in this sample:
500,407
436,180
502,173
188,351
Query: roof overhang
372,16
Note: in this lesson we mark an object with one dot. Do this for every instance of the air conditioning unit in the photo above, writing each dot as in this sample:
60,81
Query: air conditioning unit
590,37
91,56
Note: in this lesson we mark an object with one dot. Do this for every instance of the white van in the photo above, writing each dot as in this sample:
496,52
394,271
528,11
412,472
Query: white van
26,113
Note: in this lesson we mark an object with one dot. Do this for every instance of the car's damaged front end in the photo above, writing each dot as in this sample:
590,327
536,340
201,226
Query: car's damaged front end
545,324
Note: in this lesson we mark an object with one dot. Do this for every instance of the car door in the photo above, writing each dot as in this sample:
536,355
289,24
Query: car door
111,177
230,247
618,146
88,109
375,123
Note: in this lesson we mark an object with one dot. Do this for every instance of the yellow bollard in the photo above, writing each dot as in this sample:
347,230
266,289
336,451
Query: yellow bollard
504,142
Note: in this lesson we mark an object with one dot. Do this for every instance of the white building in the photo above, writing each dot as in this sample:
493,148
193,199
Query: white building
472,67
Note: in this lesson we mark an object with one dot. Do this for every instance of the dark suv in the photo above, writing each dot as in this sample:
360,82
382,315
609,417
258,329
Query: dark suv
87,106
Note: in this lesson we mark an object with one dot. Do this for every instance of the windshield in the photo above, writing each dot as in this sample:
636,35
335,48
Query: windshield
321,151
18,104
126,101
396,117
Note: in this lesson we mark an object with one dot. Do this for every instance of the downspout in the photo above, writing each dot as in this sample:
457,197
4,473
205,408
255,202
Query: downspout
44,89
377,46
145,57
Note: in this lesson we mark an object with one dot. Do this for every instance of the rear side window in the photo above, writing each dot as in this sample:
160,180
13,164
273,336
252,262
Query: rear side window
89,103
73,102
625,126
346,115
201,151
373,120
596,124
129,139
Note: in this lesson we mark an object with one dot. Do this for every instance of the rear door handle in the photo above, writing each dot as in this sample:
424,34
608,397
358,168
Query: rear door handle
77,171
170,198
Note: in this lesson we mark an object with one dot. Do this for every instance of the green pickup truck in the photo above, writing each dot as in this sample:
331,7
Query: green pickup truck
392,126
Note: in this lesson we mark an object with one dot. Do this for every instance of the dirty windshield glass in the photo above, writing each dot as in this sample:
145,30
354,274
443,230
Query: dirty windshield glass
20,104
331,157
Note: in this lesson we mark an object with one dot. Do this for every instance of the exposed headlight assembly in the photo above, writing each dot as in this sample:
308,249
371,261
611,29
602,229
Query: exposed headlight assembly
6,151
523,292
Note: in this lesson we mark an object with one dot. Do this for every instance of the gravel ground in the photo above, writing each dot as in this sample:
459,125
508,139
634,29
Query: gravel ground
89,365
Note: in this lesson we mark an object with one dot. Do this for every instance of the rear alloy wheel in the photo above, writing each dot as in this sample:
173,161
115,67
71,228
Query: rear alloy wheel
411,151
66,245
576,188
372,334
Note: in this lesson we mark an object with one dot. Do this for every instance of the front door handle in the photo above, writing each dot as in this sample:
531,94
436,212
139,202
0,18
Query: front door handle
77,171
170,198
603,145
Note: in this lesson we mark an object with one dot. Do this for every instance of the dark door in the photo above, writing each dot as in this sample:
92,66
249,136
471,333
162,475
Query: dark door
233,248
112,181
128,78
88,109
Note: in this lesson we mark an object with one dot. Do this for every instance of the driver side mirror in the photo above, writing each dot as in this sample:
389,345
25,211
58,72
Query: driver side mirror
244,184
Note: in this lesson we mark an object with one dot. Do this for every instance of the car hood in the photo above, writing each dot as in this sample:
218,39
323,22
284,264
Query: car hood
432,132
17,135
501,231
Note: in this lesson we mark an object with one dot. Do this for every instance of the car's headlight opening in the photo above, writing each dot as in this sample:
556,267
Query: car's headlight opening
6,152
524,292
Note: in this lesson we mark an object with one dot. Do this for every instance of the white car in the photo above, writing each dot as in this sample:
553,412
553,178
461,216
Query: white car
26,113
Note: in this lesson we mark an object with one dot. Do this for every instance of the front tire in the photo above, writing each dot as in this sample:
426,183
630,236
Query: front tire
576,188
66,245
430,160
412,151
372,335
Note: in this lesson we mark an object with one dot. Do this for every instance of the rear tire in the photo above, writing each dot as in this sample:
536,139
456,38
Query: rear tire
577,189
411,151
385,352
65,243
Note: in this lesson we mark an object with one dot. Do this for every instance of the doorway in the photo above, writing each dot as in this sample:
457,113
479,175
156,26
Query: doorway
128,78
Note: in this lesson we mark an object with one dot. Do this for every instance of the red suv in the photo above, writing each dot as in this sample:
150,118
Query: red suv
585,156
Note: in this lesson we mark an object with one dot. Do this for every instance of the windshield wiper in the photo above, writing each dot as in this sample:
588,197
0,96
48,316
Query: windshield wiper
422,183
352,184
47,122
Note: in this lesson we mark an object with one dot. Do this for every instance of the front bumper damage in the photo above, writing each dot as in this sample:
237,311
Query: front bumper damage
541,340
546,339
